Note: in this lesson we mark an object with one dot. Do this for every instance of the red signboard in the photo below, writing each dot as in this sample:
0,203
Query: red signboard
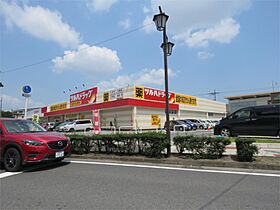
83,97
157,95
96,122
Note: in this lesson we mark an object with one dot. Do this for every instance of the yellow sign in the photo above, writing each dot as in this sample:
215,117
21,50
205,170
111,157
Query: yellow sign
106,97
155,119
58,107
139,92
184,99
35,118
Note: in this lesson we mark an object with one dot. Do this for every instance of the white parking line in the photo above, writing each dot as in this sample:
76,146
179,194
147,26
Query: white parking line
173,168
7,174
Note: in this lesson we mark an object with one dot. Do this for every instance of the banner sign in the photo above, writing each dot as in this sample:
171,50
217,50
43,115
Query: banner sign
184,99
83,97
155,120
58,107
152,94
116,94
96,122
159,95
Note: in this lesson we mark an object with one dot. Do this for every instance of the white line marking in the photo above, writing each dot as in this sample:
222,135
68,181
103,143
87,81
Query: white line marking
7,174
173,168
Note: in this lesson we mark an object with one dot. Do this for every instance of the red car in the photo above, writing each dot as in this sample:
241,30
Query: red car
24,141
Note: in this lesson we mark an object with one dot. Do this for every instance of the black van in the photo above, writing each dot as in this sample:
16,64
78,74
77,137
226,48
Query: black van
252,121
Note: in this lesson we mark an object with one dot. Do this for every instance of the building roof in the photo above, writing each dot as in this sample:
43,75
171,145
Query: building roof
254,95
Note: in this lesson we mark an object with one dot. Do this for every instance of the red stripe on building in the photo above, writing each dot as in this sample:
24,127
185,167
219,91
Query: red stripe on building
112,104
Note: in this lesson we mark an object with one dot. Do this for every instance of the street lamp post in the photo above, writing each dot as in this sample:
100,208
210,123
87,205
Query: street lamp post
1,98
160,21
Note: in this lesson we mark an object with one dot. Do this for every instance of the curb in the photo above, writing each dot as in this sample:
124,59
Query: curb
183,162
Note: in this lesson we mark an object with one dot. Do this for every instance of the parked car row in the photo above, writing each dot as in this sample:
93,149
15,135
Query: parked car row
191,124
70,126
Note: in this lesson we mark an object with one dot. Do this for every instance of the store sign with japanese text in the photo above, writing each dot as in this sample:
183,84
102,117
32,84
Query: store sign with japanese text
152,94
106,97
155,120
141,92
83,97
116,94
58,107
184,99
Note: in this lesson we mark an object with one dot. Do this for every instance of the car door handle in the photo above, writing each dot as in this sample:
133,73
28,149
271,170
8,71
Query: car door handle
253,119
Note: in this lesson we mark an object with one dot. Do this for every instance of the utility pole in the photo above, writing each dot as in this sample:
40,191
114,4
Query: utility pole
214,93
274,84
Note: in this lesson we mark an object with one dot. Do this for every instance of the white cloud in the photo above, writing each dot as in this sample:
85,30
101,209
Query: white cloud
223,32
153,77
186,18
149,24
90,60
146,10
40,22
205,55
10,102
126,24
101,5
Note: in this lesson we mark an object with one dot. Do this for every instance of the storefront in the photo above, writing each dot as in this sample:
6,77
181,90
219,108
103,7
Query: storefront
133,106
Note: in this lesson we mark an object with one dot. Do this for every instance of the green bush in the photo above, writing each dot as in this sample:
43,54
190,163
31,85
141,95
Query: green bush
245,149
201,147
149,144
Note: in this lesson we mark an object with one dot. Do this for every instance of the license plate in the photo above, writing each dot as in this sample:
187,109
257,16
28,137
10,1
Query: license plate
59,154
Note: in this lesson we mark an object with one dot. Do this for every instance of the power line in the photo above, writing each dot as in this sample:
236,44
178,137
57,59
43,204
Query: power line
232,91
96,44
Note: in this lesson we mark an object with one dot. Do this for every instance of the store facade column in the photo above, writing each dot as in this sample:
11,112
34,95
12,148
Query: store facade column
134,117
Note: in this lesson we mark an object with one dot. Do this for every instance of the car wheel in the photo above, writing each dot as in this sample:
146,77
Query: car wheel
72,130
12,160
88,129
225,132
201,127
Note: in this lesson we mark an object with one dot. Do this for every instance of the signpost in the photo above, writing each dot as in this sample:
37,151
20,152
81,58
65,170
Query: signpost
26,90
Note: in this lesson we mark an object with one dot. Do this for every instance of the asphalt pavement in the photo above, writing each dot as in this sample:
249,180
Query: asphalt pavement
98,186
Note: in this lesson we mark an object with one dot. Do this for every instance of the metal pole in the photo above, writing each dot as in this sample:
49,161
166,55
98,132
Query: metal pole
25,108
166,92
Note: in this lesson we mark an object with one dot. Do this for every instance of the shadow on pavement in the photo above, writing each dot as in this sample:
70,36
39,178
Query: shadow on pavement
43,166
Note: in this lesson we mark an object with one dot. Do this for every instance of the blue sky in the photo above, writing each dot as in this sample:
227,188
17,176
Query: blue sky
228,46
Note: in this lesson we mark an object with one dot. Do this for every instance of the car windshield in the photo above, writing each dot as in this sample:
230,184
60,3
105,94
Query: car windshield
22,126
180,122
65,123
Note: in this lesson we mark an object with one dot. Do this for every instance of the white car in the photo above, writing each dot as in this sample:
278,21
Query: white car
211,124
77,125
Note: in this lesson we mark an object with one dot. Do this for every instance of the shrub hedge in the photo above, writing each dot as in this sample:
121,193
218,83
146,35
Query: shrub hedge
201,147
149,144
245,149
154,144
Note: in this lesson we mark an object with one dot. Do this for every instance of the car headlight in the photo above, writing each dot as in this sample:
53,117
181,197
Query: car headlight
33,142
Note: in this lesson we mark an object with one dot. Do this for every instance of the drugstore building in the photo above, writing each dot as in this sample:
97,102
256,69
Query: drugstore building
133,106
